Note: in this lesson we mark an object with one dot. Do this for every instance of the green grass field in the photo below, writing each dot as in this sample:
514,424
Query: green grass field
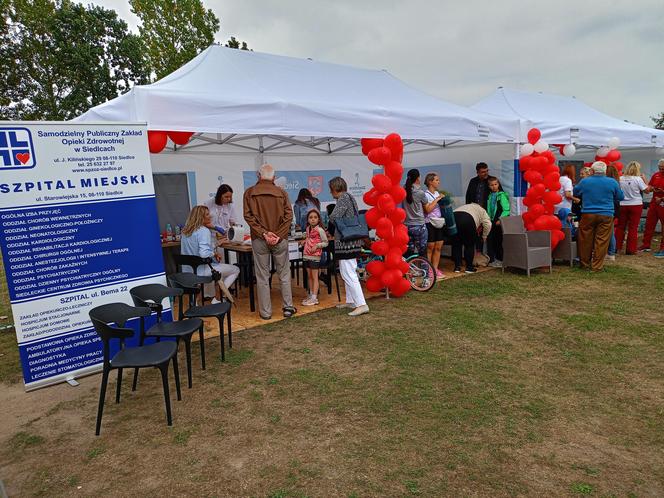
489,385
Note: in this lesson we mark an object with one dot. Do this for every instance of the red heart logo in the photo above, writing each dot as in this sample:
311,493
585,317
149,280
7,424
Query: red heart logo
24,157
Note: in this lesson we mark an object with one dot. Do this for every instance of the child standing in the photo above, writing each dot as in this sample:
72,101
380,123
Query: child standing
498,205
316,240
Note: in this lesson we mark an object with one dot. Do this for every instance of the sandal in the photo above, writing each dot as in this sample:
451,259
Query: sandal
289,311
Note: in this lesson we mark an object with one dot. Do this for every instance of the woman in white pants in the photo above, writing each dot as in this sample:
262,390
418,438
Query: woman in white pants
197,240
347,252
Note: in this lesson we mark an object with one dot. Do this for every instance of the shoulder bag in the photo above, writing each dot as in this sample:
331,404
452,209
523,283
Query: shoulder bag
352,227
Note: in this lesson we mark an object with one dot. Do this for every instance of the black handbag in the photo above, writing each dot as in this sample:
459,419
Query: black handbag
352,227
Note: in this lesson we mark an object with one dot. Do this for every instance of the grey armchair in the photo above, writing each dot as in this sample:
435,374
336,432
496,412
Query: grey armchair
524,250
566,248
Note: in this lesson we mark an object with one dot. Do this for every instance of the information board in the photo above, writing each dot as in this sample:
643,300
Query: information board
78,228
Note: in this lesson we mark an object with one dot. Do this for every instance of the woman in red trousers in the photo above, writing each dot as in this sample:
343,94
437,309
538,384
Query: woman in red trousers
632,183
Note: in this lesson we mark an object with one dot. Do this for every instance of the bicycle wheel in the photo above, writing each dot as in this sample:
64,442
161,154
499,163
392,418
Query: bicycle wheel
422,275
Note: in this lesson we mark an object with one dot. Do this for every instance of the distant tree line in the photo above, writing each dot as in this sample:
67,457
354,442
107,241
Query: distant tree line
59,58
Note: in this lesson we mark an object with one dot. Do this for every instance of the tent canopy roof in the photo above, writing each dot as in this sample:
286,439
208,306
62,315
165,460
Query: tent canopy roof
565,119
226,90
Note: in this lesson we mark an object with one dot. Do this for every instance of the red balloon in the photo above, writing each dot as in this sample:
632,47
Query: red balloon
395,144
400,236
400,287
397,216
180,137
549,208
550,158
369,144
384,228
613,155
386,203
380,247
552,197
372,216
398,193
537,210
370,197
529,200
619,166
375,268
393,257
157,141
556,237
534,135
374,284
404,266
533,177
525,163
382,183
388,278
380,155
530,227
394,170
552,179
541,223
528,216
550,168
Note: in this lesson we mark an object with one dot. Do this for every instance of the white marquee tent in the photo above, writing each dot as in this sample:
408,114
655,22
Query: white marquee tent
566,120
306,118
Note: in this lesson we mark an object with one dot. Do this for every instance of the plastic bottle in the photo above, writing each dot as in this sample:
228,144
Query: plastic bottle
169,232
178,230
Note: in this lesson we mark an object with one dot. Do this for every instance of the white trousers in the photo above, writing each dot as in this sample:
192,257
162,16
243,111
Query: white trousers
348,270
229,274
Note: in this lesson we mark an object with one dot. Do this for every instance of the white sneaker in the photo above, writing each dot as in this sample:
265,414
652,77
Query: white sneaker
310,301
215,301
360,310
610,257
496,264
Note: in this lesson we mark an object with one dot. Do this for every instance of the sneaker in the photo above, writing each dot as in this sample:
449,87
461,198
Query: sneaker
360,310
346,305
439,275
310,301
457,269
659,254
644,249
496,264
471,269
610,257
289,311
215,301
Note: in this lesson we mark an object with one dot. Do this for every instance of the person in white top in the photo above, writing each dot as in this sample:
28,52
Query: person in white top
566,187
632,183
222,209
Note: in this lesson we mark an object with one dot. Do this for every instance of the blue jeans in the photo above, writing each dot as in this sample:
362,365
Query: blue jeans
417,239
612,242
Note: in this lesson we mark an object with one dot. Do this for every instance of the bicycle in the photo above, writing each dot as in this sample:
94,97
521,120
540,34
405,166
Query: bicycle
421,273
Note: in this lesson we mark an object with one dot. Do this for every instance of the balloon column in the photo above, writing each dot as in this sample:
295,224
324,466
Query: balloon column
538,165
385,216
157,139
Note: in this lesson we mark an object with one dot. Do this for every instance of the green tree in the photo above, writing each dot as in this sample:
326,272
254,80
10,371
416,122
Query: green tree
174,31
233,43
658,120
65,58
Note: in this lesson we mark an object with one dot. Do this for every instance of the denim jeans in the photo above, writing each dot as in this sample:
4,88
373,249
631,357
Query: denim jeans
612,242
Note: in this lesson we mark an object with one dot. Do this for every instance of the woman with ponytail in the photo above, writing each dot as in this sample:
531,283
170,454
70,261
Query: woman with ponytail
414,204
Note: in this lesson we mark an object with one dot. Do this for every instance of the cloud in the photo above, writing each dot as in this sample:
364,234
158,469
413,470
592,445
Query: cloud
607,54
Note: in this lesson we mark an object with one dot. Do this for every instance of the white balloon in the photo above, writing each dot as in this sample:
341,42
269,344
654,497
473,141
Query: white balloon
541,146
569,150
602,151
614,143
526,150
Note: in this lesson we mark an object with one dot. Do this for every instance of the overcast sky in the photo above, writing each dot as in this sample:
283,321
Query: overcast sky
609,54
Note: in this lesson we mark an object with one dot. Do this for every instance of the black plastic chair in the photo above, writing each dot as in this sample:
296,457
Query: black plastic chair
151,296
156,355
190,285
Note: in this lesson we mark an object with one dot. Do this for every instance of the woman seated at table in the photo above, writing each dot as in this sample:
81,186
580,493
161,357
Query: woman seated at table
197,240
222,209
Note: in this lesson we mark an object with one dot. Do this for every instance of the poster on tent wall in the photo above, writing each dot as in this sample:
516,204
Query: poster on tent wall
78,228
292,181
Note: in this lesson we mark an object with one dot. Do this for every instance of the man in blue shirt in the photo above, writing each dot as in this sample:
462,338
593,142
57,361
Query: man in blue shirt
599,193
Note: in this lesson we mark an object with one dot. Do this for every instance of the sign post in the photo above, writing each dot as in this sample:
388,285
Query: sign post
78,228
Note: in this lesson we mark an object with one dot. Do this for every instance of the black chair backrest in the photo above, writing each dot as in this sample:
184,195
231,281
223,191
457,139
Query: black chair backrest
117,313
190,260
151,296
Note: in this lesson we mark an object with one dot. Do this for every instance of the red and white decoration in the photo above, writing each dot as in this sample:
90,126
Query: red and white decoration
386,217
538,165
609,154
